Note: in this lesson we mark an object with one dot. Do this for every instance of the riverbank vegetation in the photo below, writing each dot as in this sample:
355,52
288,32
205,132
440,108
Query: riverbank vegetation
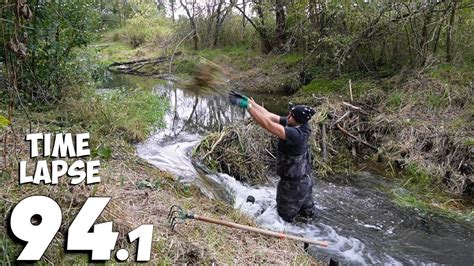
396,77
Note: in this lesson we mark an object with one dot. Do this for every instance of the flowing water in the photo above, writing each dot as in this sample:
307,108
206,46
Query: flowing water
360,223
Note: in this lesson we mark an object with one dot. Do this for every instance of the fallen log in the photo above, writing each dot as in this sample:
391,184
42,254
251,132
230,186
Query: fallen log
145,61
133,67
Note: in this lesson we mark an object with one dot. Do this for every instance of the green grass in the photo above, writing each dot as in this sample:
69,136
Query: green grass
322,85
129,115
395,99
469,142
432,203
287,60
9,250
421,191
457,123
436,101
186,65
418,178
239,51
291,59
325,85
461,75
113,119
117,52
132,114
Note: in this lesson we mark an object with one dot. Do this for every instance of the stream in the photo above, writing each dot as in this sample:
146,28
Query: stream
360,223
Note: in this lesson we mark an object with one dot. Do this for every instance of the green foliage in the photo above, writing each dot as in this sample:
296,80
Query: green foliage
234,51
4,122
51,65
418,178
439,204
287,60
436,101
102,152
144,184
132,115
114,52
9,250
140,30
395,99
186,65
461,75
323,85
291,59
469,142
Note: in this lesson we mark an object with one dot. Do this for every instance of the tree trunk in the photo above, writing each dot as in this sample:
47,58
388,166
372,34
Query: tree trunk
244,6
267,45
172,5
280,19
449,37
219,21
192,22
423,46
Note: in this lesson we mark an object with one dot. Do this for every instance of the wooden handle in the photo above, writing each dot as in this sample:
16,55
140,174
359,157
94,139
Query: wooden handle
260,231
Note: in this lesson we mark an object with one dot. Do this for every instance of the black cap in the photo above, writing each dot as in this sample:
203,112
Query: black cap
302,113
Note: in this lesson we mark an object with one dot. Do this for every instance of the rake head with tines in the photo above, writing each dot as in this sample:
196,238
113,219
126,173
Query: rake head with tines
177,215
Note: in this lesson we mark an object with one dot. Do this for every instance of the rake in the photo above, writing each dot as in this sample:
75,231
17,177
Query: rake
177,215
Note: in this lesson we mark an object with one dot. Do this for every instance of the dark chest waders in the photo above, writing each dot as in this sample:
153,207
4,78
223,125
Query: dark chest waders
294,192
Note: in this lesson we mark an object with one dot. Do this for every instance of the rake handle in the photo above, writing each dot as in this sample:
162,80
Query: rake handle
258,230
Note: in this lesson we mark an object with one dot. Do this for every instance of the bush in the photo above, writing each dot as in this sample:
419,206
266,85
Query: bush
141,29
131,115
51,64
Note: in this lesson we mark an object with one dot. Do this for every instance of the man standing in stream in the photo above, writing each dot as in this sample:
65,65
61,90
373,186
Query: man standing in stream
294,192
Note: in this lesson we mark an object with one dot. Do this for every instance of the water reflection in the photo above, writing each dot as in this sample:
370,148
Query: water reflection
188,118
195,114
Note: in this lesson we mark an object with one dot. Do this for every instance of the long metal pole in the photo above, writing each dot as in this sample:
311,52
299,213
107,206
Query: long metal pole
258,230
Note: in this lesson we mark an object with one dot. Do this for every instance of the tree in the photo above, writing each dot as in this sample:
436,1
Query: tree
43,47
259,27
192,19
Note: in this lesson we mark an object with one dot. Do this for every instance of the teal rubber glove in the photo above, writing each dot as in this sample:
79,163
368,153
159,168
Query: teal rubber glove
236,94
240,100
